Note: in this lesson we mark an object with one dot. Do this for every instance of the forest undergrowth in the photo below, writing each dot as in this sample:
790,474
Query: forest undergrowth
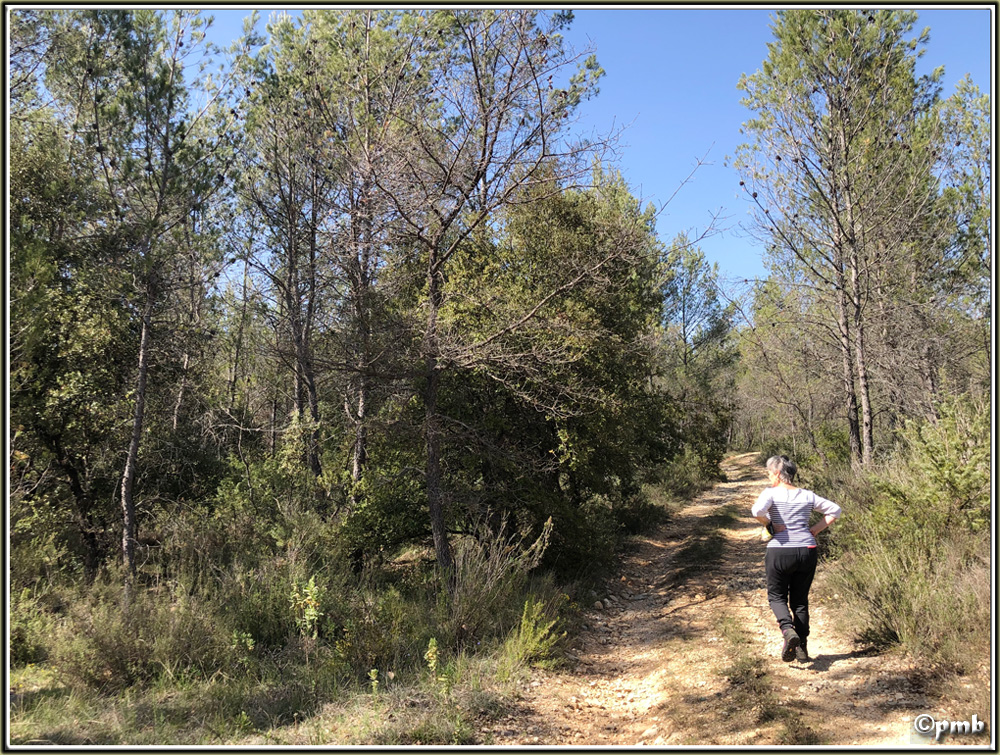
235,654
400,664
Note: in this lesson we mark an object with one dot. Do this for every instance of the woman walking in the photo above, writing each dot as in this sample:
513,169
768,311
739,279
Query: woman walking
790,560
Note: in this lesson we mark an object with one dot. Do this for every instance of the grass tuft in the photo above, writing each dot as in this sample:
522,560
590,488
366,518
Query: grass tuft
751,699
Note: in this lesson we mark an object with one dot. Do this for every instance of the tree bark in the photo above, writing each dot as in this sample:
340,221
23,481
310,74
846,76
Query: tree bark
435,494
185,364
84,507
306,398
855,241
312,397
861,364
129,525
360,455
847,361
238,349
432,426
360,277
308,367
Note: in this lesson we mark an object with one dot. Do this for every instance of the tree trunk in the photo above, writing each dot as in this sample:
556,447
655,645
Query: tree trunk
843,325
273,435
847,241
308,368
854,241
312,397
306,397
432,427
360,456
185,364
850,396
237,352
861,363
435,495
84,507
129,526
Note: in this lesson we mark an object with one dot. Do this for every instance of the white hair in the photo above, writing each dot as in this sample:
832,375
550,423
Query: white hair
783,467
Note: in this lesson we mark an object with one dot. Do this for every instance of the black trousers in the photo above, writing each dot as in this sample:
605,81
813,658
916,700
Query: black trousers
790,574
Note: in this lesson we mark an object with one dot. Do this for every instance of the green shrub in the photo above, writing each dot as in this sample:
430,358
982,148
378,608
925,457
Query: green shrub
833,447
946,466
105,646
534,640
40,541
637,513
488,578
305,603
30,629
914,551
689,473
937,607
585,539
256,602
248,559
386,515
382,628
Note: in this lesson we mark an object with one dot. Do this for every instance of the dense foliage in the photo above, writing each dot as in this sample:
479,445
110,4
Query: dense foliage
286,327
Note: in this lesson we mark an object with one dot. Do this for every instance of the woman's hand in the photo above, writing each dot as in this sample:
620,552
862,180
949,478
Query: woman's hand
775,528
821,525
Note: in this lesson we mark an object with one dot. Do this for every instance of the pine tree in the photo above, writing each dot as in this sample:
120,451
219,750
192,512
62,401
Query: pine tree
839,173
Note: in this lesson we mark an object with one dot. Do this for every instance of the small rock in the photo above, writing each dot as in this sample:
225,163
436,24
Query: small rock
652,731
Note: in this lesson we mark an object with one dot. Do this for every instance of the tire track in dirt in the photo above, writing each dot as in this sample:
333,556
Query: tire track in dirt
654,662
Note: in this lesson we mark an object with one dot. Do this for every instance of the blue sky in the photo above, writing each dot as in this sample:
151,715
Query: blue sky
671,76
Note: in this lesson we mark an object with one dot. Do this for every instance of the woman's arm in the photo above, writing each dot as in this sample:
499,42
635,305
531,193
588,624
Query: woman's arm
825,506
759,511
822,524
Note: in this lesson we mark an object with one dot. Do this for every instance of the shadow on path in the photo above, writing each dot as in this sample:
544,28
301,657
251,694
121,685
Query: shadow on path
825,662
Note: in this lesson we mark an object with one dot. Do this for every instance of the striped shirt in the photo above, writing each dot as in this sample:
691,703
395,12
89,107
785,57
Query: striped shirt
791,508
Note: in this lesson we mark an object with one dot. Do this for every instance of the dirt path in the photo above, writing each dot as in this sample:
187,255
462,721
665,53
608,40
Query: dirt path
683,650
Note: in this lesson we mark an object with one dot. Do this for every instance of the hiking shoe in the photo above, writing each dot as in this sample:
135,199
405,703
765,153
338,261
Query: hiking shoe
801,654
789,645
